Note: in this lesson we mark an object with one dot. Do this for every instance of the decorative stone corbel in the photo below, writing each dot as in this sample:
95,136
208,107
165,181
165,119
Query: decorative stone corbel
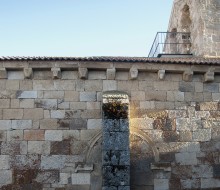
161,74
111,74
133,73
187,76
56,73
209,76
83,73
28,73
3,73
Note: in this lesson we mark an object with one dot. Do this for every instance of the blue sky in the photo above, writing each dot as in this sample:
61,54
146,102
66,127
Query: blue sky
81,27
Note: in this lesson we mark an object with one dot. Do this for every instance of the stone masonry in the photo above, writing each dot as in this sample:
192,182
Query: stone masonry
201,19
51,124
115,150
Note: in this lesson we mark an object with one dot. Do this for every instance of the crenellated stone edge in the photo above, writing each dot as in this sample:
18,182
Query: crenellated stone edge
111,69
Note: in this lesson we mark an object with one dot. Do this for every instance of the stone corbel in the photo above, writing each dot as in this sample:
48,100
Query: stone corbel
3,73
28,73
83,73
111,74
84,168
161,74
133,73
209,76
187,76
56,73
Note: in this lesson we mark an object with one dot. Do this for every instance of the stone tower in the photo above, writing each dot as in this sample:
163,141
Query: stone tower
201,18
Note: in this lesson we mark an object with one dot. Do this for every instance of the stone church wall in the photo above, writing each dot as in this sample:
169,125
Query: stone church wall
51,124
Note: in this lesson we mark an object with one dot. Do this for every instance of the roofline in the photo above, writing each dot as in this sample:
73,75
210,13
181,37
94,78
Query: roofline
166,60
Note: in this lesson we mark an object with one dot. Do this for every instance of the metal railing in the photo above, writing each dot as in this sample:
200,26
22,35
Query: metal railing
173,43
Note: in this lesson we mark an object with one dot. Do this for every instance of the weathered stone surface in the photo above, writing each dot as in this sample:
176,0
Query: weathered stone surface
4,162
161,184
3,73
62,148
202,135
93,85
15,135
34,135
5,124
133,73
57,114
21,124
116,175
87,96
48,124
56,73
53,135
43,85
26,94
175,96
47,177
39,147
34,114
116,158
46,103
28,73
83,73
109,85
71,96
5,177
13,113
94,124
64,85
80,178
116,141
186,158
210,183
26,103
111,74
23,162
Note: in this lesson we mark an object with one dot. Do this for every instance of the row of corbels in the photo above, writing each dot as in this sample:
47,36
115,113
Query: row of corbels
111,74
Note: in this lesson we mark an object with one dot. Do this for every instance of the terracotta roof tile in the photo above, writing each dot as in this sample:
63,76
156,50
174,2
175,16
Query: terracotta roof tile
189,60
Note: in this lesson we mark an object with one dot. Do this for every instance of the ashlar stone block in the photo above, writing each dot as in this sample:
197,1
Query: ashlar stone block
53,135
161,184
5,177
186,158
21,124
26,94
4,162
80,178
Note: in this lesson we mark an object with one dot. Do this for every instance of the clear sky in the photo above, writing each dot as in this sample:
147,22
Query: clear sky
81,27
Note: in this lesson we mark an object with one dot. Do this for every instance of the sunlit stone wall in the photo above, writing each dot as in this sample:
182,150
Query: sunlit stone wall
201,19
51,124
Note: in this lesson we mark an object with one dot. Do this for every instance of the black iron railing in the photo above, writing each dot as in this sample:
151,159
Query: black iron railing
171,43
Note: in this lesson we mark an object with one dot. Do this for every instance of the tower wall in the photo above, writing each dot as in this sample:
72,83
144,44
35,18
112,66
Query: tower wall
202,20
